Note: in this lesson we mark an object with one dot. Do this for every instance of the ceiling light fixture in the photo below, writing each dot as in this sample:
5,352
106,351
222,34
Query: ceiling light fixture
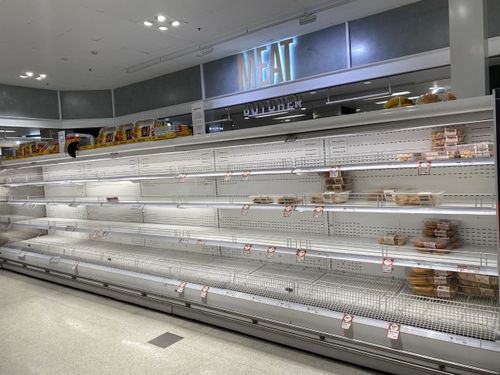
367,82
163,28
289,117
39,78
401,93
42,76
29,74
161,18
175,23
148,23
23,76
204,51
307,18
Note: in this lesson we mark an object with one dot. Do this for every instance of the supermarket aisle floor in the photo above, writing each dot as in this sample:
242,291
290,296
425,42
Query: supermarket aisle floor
46,328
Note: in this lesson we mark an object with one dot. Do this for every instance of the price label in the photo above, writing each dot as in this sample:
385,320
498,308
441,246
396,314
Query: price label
288,210
387,265
424,169
182,177
181,287
271,251
204,292
227,176
393,331
245,175
467,268
244,209
75,266
301,255
346,321
318,211
247,249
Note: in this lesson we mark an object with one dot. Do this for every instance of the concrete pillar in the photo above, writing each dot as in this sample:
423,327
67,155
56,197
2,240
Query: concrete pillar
468,47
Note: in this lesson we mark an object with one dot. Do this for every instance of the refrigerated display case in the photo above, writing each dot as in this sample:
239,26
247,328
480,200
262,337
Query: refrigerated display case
293,233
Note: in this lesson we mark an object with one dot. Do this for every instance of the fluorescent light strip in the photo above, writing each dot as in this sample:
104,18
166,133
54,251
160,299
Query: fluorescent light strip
289,117
370,96
401,93
269,114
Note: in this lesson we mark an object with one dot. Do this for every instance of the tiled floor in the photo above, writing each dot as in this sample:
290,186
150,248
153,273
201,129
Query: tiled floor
50,329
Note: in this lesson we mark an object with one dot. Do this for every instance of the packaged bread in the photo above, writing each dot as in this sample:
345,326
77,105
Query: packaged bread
475,150
124,134
416,271
289,200
448,141
106,137
479,292
143,130
393,239
436,243
336,197
447,132
413,156
446,291
472,279
262,199
440,155
441,224
427,98
317,199
425,291
408,198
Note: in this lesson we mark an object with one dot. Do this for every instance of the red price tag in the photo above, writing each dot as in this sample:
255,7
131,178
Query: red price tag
181,287
346,321
301,255
245,175
387,265
318,211
393,331
182,177
424,169
204,292
246,249
227,176
244,209
288,210
271,251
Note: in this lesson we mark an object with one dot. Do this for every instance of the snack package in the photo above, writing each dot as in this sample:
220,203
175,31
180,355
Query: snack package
106,137
398,101
124,134
163,129
184,130
143,130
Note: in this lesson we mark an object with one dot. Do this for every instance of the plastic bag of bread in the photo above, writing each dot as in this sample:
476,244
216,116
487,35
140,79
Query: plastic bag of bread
410,198
336,197
475,150
289,200
398,101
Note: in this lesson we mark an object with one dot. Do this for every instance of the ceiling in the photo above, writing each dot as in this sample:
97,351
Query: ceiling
90,44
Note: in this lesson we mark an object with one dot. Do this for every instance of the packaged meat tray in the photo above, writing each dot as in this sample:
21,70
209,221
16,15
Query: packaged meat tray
411,198
393,239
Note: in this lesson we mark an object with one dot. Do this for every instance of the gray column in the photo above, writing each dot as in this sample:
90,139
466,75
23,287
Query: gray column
468,47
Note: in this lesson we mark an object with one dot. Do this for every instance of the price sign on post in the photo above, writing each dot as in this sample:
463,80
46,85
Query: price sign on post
393,331
244,209
181,287
424,169
245,175
182,177
288,210
227,176
318,211
387,265
271,251
335,171
301,255
204,292
247,249
346,321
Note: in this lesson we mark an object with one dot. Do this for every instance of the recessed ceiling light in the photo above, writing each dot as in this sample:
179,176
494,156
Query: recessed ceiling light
38,78
148,23
43,76
29,74
303,109
23,76
312,92
163,28
175,23
161,18
367,82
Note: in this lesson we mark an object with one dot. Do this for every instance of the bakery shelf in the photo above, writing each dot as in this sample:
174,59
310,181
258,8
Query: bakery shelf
298,167
466,259
451,204
374,297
